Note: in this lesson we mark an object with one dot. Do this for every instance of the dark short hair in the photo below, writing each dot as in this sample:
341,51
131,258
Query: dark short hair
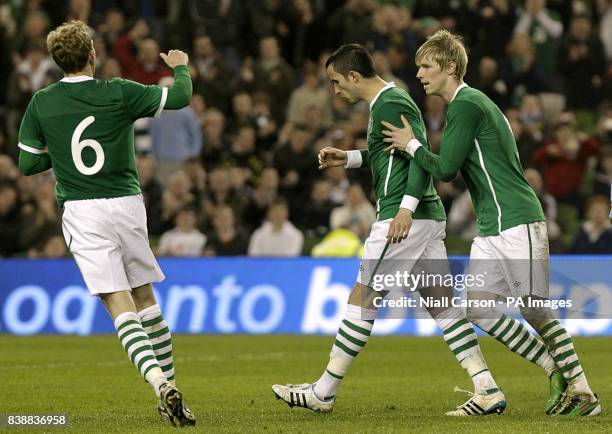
352,57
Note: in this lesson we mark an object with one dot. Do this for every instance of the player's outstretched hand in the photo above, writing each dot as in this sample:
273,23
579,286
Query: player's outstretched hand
175,58
398,137
331,157
400,226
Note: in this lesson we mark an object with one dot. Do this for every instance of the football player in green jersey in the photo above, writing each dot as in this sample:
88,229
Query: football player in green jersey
83,129
512,242
408,233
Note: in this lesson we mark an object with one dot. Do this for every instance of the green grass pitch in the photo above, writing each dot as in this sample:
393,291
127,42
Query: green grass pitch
397,384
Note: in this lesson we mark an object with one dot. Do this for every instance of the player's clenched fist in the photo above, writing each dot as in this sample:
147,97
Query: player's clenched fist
175,58
331,157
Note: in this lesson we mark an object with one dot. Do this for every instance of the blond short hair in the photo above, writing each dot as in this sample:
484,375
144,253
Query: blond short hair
69,45
443,47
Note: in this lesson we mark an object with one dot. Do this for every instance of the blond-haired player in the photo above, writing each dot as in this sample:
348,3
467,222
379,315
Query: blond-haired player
511,248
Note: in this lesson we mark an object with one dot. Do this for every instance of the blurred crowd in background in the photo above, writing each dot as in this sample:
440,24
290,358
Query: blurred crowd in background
236,172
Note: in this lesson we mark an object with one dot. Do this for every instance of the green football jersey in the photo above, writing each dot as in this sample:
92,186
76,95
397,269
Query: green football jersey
86,125
478,141
394,174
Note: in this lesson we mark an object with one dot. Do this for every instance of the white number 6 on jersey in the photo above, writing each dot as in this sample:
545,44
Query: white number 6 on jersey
77,146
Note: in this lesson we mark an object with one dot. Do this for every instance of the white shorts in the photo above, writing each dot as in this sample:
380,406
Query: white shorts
109,240
513,263
423,250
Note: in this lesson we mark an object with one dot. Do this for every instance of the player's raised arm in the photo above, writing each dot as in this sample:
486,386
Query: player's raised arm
179,94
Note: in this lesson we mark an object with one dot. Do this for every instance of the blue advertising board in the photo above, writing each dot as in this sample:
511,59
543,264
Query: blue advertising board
256,296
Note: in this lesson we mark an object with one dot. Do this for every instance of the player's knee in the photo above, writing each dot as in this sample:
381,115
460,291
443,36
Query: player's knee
537,317
364,297
143,296
476,314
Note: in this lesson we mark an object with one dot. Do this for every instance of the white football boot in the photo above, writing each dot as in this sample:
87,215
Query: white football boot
302,395
480,404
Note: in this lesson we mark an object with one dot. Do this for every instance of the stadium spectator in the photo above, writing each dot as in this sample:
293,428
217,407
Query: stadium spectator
357,213
277,236
9,219
213,78
216,145
381,63
226,239
220,193
265,193
197,176
222,20
35,28
582,63
267,126
315,216
549,205
338,243
244,154
492,23
184,239
273,76
313,118
113,26
604,126
563,159
151,193
243,112
434,115
528,135
29,75
339,184
605,30
462,218
41,217
531,115
545,28
521,70
402,66
311,93
175,196
176,136
110,69
305,38
351,23
595,235
491,83
603,173
296,164
54,248
145,67
8,170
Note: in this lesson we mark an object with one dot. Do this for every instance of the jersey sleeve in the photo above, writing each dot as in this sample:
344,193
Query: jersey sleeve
31,138
357,158
462,122
417,178
143,101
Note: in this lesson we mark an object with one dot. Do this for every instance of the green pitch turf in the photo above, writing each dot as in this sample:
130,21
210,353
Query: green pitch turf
397,384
